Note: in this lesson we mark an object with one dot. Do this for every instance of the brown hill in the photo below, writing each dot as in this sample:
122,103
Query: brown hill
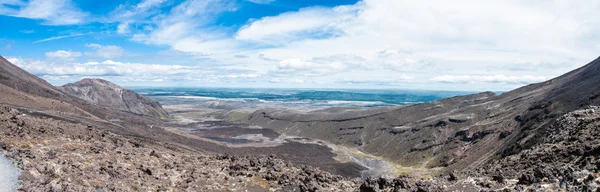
459,133
107,94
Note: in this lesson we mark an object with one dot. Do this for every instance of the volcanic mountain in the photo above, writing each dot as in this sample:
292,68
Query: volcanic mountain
107,94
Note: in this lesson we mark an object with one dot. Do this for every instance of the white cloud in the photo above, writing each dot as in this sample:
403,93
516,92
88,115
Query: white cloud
185,28
184,22
287,80
429,38
105,68
244,76
261,1
127,15
64,71
401,60
52,12
320,66
146,4
123,28
526,79
12,2
63,54
378,81
6,6
166,34
306,23
58,37
377,42
106,51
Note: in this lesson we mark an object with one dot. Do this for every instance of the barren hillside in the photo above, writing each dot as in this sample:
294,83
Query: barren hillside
107,94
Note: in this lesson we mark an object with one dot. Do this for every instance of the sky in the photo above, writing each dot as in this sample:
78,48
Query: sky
467,45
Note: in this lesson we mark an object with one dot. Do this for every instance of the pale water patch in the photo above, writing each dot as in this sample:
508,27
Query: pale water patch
9,175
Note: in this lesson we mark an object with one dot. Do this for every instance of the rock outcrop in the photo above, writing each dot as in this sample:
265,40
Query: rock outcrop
566,153
107,94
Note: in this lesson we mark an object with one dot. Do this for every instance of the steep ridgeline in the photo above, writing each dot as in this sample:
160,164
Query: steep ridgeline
107,94
20,88
460,133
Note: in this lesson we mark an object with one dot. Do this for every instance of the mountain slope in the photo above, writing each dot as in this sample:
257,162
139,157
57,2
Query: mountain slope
18,87
23,90
459,133
566,149
17,78
107,94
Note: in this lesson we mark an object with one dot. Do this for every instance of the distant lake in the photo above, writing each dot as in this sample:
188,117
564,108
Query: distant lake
317,97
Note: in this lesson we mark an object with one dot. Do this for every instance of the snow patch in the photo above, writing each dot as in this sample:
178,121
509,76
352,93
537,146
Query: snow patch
9,175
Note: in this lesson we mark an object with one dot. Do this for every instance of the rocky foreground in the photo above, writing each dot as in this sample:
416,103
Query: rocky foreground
564,155
58,155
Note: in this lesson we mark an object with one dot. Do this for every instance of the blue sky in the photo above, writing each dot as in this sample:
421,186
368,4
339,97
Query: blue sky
458,45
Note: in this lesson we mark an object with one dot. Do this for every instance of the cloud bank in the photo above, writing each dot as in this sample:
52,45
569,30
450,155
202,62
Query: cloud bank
437,44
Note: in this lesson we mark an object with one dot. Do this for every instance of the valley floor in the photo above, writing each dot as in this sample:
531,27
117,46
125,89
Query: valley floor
241,139
374,167
66,154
